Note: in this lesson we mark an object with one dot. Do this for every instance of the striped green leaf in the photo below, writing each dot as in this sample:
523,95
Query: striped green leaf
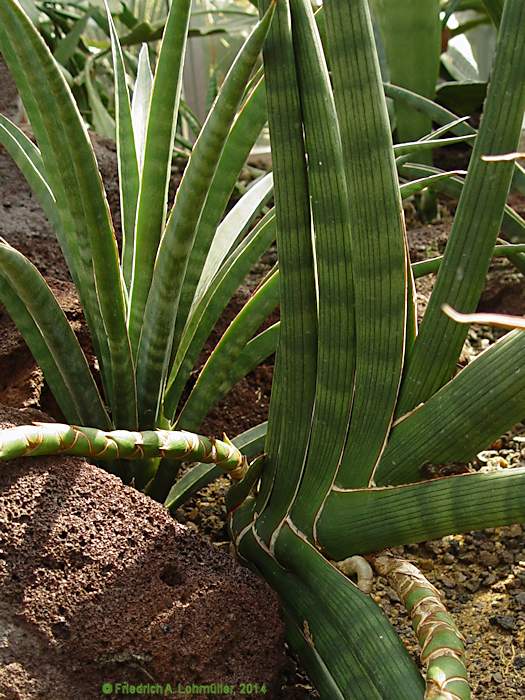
408,189
342,626
39,318
232,230
128,168
470,411
431,265
156,168
293,390
333,248
76,249
160,313
440,115
429,144
318,673
512,224
379,249
373,519
256,351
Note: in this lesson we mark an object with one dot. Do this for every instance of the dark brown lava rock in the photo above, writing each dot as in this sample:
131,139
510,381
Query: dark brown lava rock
100,585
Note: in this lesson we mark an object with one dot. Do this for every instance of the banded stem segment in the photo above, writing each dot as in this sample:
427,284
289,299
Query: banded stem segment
442,644
42,439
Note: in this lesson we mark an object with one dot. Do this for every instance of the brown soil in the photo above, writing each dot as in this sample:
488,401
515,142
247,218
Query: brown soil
481,575
100,584
8,93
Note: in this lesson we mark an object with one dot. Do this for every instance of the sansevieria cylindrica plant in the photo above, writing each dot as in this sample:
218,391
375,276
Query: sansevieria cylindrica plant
361,397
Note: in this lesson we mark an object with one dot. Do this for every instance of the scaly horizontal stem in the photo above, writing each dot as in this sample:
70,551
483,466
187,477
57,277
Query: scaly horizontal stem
42,439
442,644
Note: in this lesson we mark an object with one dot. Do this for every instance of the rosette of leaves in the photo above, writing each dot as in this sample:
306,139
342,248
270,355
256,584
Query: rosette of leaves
151,306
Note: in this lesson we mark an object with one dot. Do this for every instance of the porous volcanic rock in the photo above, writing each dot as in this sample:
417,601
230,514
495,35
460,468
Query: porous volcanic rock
100,585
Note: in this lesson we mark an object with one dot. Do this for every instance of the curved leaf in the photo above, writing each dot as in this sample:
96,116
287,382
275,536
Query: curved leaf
334,250
342,626
463,417
373,519
47,332
440,115
380,247
293,390
28,158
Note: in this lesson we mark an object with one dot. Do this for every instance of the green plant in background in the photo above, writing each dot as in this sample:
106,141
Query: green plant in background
461,95
411,34
362,399
414,40
149,10
209,58
411,38
78,35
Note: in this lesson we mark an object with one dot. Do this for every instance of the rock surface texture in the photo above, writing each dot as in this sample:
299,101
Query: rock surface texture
100,585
